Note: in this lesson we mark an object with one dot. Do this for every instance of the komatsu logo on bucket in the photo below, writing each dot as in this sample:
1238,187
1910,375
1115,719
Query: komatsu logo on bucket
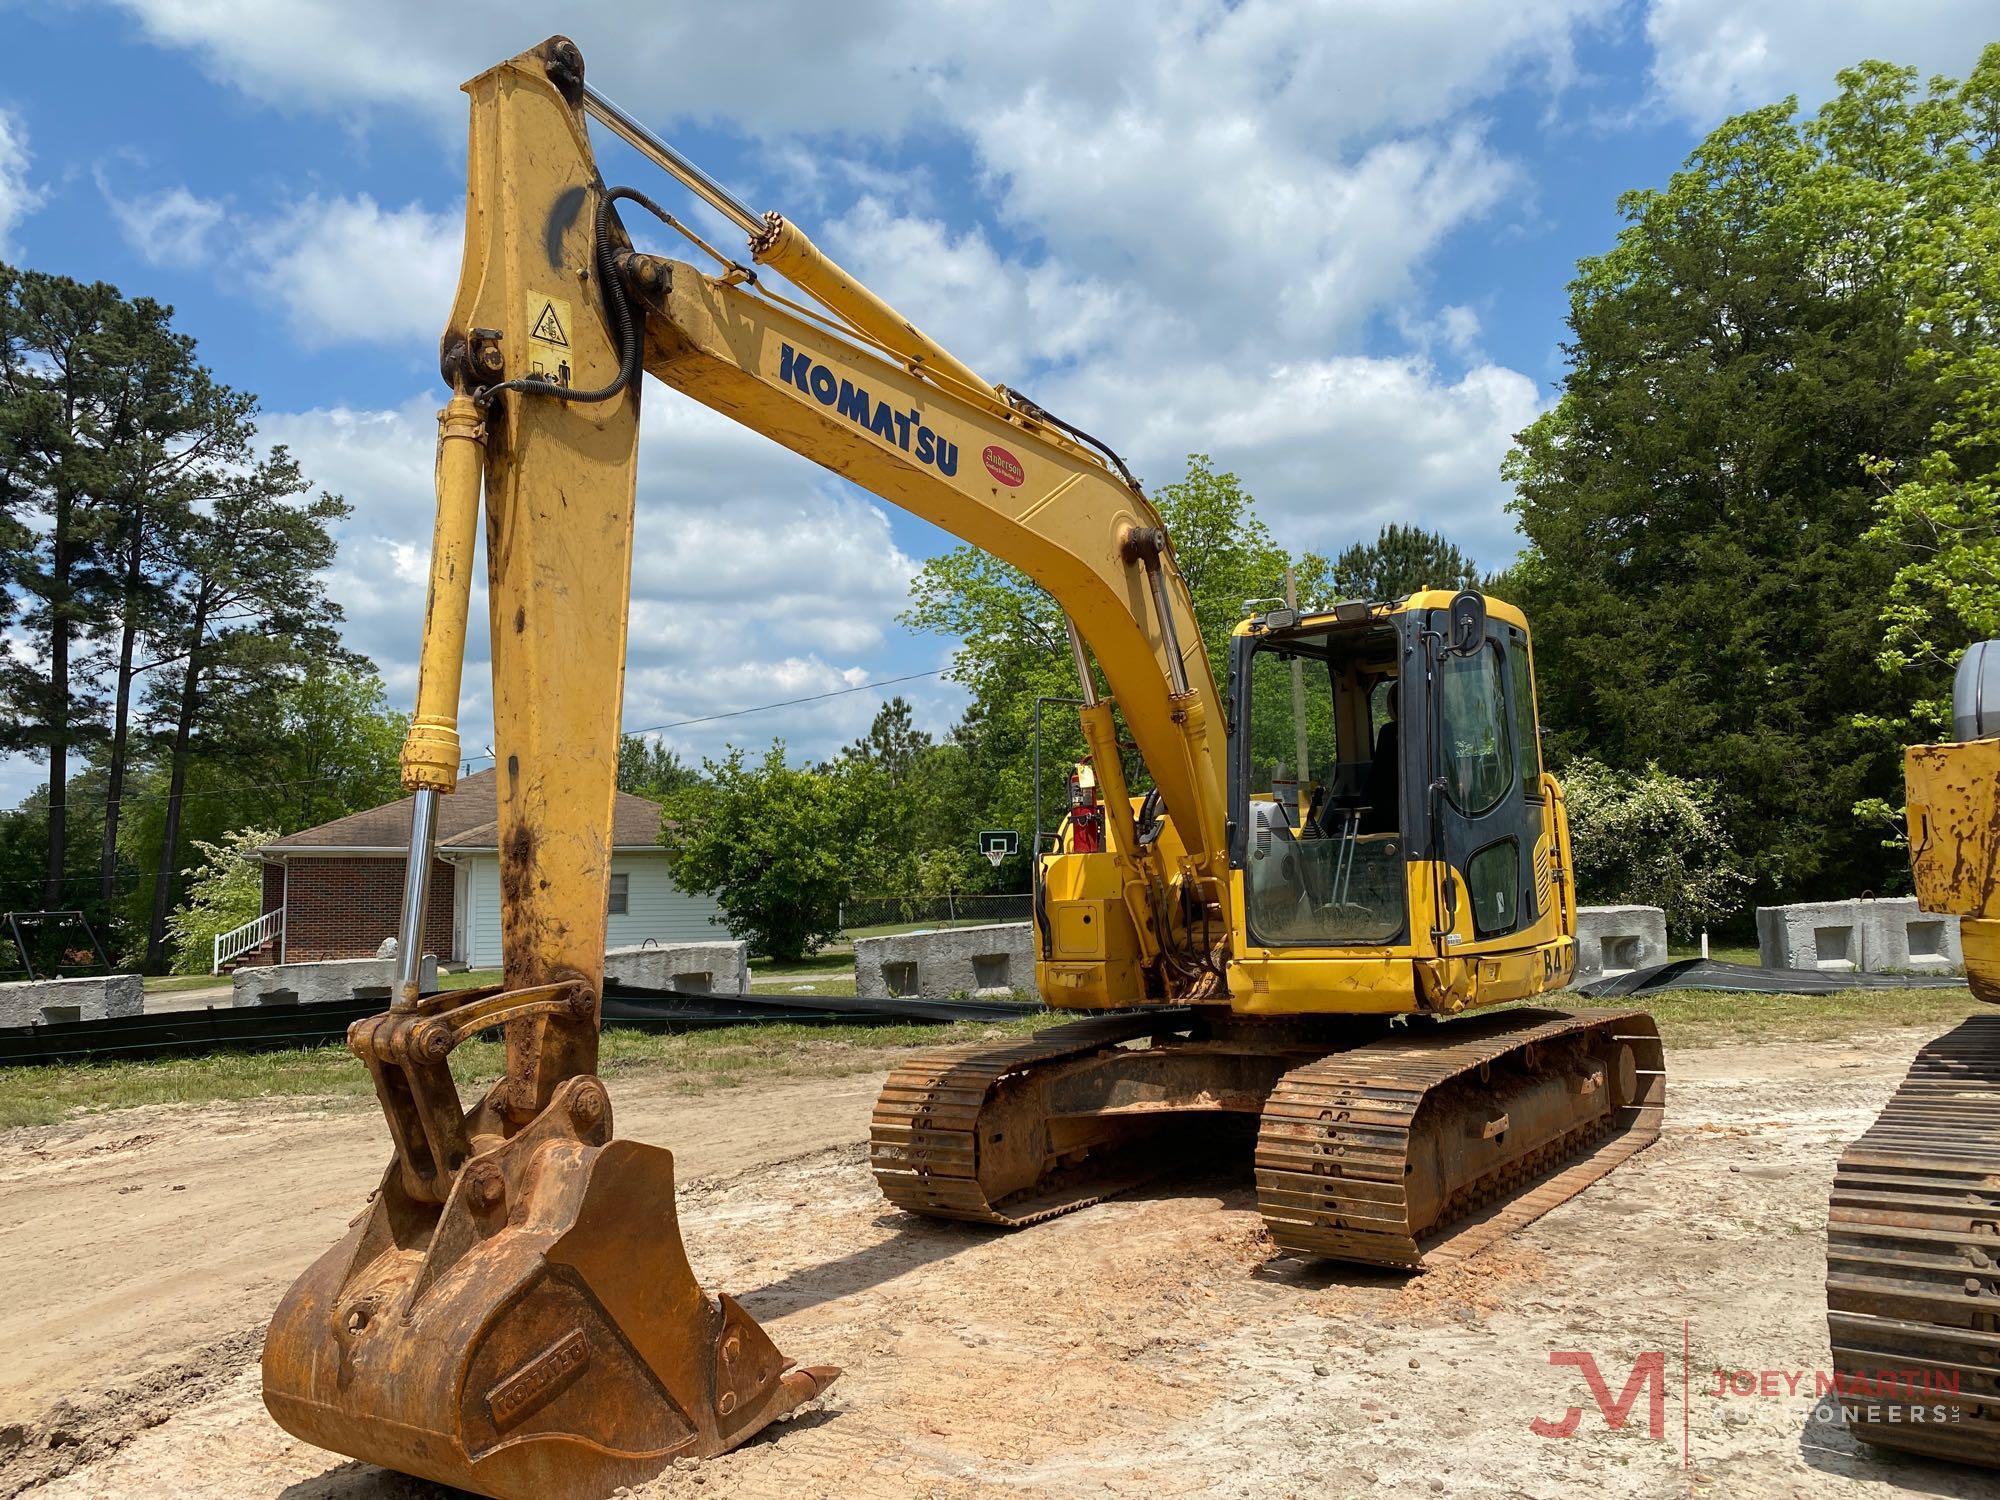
903,428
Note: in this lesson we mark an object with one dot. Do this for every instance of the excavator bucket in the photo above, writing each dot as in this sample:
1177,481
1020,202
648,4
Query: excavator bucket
539,1333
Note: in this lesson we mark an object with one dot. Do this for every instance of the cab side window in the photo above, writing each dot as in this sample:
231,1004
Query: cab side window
1521,700
1477,747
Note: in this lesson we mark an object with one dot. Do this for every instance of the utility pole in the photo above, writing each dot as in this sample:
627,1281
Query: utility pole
1298,688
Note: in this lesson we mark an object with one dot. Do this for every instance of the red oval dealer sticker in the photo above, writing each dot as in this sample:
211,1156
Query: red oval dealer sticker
1004,467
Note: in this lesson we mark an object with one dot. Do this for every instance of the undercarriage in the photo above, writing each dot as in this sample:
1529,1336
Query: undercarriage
1377,1142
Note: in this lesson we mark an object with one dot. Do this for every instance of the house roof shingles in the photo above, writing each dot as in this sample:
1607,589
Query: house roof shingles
467,819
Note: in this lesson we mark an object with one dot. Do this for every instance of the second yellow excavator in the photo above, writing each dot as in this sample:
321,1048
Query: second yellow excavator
1342,848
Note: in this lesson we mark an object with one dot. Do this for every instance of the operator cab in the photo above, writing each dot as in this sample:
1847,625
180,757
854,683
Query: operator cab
1324,861
1374,737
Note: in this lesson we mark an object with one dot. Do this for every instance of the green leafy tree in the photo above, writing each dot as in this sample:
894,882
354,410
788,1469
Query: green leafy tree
1400,561
652,768
1940,521
223,892
1649,839
1013,648
924,812
247,611
330,746
776,846
1696,502
57,388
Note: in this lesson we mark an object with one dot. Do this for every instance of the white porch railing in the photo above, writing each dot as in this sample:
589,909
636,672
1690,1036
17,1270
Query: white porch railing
250,935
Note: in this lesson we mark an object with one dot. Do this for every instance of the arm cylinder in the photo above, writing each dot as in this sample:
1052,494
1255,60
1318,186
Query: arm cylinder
430,749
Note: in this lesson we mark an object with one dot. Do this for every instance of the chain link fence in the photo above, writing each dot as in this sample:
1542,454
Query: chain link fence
861,914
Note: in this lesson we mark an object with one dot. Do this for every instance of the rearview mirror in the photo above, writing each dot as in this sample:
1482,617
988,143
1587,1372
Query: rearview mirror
1467,632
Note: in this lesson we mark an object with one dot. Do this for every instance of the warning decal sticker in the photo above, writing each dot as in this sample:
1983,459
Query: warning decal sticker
549,325
548,337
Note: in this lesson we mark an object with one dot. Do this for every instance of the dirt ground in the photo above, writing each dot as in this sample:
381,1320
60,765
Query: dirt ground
1148,1346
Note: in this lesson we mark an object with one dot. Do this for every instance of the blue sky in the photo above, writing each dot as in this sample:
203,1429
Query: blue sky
1326,243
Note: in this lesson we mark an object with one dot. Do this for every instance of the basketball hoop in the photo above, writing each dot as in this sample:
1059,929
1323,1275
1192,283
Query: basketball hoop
997,843
994,856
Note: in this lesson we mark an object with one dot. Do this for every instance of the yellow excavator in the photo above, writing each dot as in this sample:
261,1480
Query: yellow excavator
1338,852
1913,1228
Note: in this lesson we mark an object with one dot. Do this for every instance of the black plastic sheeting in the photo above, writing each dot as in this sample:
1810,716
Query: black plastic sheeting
1711,974
267,1028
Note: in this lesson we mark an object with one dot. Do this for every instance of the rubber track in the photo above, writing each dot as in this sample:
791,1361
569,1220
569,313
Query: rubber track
1913,1258
1333,1144
922,1138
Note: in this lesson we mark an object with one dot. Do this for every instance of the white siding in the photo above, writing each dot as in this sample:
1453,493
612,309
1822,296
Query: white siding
655,908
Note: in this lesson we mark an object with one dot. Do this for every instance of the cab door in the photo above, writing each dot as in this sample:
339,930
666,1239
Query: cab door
1483,781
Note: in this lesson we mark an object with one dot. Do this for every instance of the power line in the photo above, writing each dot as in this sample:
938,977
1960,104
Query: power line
737,713
272,786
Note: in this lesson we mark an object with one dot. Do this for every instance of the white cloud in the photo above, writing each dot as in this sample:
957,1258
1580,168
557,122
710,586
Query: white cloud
1714,57
755,578
1187,214
348,271
170,227
1200,146
1333,448
17,198
337,270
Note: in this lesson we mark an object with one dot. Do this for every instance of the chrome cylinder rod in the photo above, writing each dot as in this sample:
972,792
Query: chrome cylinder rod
1089,683
416,893
690,176
1169,637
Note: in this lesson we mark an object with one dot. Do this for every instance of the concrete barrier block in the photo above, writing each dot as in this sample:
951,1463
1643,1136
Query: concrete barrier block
1887,936
988,960
337,979
700,968
1613,940
38,1001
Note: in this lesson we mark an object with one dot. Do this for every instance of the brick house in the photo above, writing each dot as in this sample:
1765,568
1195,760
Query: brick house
336,891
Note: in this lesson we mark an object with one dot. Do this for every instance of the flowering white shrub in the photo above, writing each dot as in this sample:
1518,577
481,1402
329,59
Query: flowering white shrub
1650,839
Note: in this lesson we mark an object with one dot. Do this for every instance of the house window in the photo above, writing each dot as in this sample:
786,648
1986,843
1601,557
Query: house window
621,896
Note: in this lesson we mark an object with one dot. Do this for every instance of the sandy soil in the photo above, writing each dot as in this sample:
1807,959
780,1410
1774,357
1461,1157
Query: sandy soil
1148,1346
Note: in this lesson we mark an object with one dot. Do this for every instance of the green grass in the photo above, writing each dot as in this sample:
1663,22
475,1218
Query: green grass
1722,953
1705,1018
830,960
684,1063
467,979
170,984
777,986
693,1062
890,929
